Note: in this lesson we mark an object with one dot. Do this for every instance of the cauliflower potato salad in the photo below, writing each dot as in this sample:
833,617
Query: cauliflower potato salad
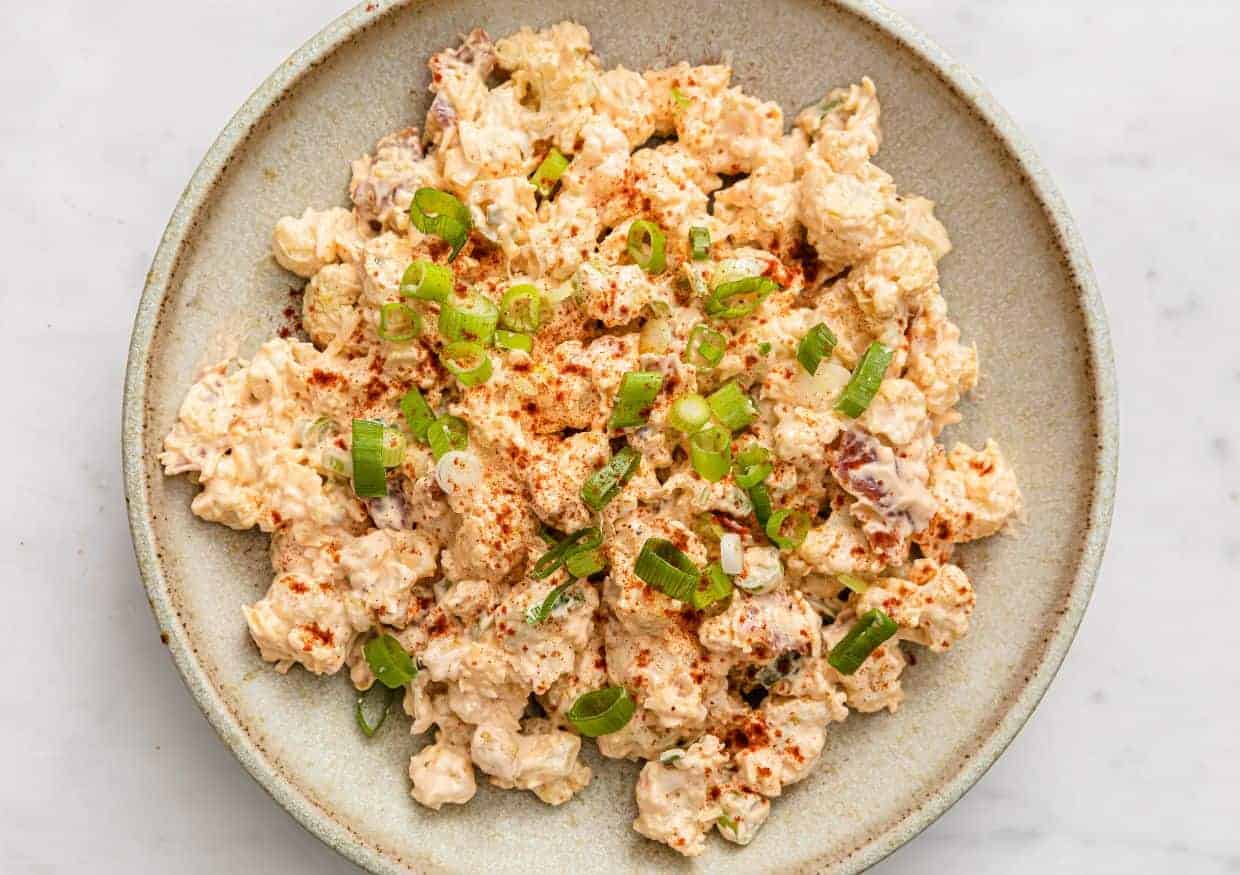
616,415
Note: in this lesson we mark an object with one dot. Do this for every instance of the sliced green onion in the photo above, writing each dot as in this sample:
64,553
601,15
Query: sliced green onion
418,414
856,584
427,281
605,483
661,565
587,539
398,323
647,246
699,243
787,528
871,629
732,406
689,413
680,98
760,498
394,446
764,348
369,476
638,390
706,527
540,612
513,340
549,172
467,361
706,347
521,308
439,213
581,562
816,345
737,298
359,714
752,466
866,379
389,662
727,823
602,712
471,318
714,586
447,433
710,452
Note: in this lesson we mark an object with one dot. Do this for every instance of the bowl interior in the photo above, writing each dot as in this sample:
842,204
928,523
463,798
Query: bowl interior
1009,285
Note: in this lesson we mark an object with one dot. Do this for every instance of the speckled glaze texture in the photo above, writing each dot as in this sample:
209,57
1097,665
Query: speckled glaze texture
1019,284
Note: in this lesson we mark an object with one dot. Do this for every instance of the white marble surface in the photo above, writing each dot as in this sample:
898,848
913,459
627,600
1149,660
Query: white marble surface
1132,764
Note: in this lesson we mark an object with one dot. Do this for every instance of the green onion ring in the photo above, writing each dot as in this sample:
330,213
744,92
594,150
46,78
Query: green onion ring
447,433
513,340
710,452
602,712
605,483
864,383
583,562
418,414
637,392
751,466
521,308
392,316
699,243
427,281
714,586
732,406
439,213
467,361
737,298
470,318
647,245
871,629
705,348
774,528
389,662
550,561
689,413
540,612
665,568
549,172
369,475
816,345
394,446
760,498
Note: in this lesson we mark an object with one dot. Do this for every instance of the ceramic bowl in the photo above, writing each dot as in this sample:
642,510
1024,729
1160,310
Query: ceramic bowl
1018,283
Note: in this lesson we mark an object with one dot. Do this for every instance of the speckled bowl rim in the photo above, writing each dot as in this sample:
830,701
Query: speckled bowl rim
312,815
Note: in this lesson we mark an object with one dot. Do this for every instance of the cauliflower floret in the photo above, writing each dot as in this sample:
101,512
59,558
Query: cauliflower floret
673,801
303,621
896,413
623,97
382,568
540,652
892,499
847,215
329,307
937,362
838,546
614,295
785,739
977,496
761,627
731,134
743,815
660,670
932,607
845,125
383,184
876,684
442,773
541,759
303,245
554,473
495,521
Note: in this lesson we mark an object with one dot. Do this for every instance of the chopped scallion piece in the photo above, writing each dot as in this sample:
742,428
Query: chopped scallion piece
398,323
764,348
706,347
582,562
714,586
727,823
856,584
605,483
866,379
540,612
447,433
710,452
369,475
699,243
752,466
584,539
647,246
513,340
427,281
661,565
679,98
737,298
787,528
439,213
418,414
549,172
521,308
689,413
467,361
816,345
394,446
602,712
472,318
732,406
871,630
760,498
638,389
387,696
389,662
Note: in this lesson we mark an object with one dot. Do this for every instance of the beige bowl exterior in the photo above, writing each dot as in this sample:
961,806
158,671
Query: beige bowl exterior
1019,284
